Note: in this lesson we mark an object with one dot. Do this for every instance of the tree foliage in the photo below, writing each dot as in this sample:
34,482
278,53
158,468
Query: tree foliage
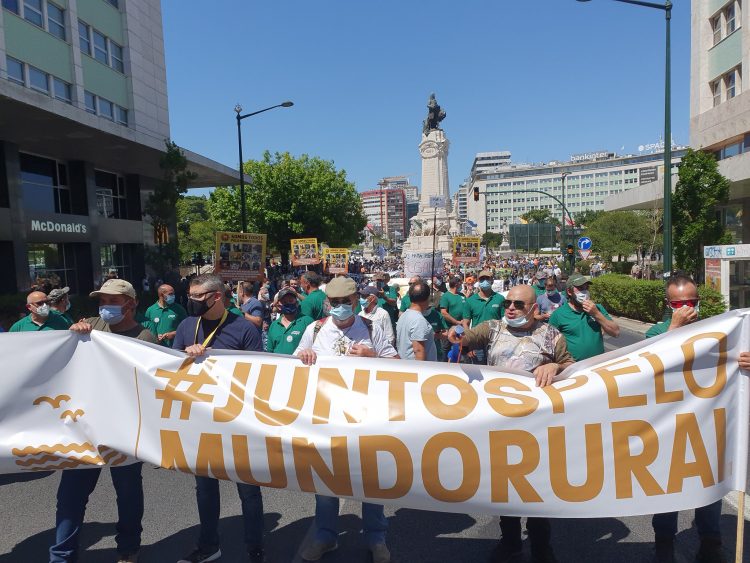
586,217
618,233
700,189
195,228
540,216
293,197
160,207
492,240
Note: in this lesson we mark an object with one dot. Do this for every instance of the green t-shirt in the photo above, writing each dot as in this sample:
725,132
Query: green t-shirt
454,304
165,319
405,303
539,290
438,324
236,310
313,305
284,340
65,316
53,322
581,331
658,328
478,310
392,310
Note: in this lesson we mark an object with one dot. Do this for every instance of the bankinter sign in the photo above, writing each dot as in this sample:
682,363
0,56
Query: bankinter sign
55,227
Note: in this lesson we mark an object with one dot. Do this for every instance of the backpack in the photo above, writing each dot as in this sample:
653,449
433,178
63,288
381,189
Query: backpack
320,322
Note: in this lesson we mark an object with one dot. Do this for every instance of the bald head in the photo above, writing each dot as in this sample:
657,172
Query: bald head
36,297
165,289
522,293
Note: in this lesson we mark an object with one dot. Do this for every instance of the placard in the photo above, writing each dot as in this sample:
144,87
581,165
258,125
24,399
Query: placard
240,256
466,250
336,260
304,252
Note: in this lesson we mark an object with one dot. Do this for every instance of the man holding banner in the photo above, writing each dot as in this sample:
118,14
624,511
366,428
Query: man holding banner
520,341
211,326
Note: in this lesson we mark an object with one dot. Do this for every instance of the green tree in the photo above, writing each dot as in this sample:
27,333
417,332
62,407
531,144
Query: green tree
293,197
196,230
540,216
492,240
161,205
618,233
587,216
700,189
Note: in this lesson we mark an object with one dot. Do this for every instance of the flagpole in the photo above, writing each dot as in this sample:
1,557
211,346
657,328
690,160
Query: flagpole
740,527
434,238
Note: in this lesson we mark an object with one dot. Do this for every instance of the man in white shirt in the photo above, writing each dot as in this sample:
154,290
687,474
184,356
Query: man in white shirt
344,334
368,301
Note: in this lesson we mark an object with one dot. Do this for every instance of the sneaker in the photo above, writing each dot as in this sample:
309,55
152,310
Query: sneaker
664,550
132,558
318,549
256,555
504,552
710,551
542,554
380,553
201,556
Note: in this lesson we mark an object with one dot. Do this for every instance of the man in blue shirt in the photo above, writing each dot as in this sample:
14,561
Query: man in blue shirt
210,325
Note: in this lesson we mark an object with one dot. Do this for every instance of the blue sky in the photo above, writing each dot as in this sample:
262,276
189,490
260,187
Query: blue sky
543,79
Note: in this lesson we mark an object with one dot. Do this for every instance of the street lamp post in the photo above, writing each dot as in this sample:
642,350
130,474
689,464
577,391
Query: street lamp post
667,227
562,233
240,117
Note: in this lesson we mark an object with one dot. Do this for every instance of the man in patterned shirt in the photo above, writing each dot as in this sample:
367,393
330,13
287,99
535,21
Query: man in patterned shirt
520,341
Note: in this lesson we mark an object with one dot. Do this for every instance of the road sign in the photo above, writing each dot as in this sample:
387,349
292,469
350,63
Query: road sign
584,253
584,243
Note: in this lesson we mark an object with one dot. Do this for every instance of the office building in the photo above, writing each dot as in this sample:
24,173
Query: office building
84,116
386,212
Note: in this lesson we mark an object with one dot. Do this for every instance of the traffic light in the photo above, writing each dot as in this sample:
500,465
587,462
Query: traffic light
476,193
570,251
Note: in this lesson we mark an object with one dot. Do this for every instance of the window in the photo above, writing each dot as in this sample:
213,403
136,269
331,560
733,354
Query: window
716,28
55,21
61,90
115,3
117,60
42,185
55,262
83,38
111,196
729,16
32,12
731,84
12,5
15,70
716,92
122,115
106,109
101,53
38,80
90,102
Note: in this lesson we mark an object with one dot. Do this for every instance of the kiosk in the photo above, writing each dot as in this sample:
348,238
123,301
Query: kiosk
728,271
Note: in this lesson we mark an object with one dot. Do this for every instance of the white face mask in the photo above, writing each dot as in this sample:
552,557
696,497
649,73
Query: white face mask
517,322
582,296
43,310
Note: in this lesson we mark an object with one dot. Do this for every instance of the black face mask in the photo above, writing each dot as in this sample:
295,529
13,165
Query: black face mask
198,308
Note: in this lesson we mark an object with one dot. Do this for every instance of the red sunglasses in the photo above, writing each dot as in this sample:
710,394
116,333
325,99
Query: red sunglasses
684,303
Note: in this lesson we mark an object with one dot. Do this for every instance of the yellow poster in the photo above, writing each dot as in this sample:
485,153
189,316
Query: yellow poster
305,252
336,260
466,250
240,256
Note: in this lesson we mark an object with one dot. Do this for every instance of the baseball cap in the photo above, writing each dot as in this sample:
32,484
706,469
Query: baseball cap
576,280
57,294
540,275
286,291
486,274
115,286
470,279
368,290
340,287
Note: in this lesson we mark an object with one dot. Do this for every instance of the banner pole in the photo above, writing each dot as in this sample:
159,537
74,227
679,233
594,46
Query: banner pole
740,527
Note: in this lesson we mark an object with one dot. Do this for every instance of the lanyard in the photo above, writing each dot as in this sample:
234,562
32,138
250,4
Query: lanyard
210,336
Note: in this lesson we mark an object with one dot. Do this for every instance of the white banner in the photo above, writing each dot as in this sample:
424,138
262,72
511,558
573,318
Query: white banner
654,427
423,264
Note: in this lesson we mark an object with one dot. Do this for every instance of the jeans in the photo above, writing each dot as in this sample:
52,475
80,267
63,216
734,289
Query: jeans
72,496
209,505
374,523
539,531
706,520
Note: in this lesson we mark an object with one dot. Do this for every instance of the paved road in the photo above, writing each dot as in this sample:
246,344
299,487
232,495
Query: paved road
27,505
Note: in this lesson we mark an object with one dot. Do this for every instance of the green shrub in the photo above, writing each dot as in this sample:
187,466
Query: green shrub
584,266
643,300
621,267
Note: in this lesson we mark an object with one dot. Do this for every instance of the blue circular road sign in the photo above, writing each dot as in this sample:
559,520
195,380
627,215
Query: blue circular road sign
584,243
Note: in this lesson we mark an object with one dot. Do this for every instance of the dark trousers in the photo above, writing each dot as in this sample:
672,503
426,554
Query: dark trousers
706,520
539,531
209,507
76,485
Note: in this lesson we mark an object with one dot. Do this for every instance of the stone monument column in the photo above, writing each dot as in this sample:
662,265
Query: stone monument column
434,152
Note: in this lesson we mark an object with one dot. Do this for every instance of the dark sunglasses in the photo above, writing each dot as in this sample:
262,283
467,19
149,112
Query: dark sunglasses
518,304
337,302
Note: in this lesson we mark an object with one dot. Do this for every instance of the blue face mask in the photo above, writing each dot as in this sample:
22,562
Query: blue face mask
552,292
289,308
342,312
485,285
169,299
111,314
363,303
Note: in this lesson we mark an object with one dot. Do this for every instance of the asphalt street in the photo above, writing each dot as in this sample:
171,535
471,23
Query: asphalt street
27,504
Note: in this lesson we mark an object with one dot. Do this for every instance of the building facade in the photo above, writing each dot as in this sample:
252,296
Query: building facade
386,212
590,179
83,122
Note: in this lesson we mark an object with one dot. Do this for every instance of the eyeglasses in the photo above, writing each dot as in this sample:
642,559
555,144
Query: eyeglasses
684,303
39,303
517,303
199,296
336,302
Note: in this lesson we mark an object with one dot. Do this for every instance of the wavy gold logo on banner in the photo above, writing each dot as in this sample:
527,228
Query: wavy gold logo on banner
49,457
54,403
72,415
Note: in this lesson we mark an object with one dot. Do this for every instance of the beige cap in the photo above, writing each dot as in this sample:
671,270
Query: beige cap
486,274
340,287
114,287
